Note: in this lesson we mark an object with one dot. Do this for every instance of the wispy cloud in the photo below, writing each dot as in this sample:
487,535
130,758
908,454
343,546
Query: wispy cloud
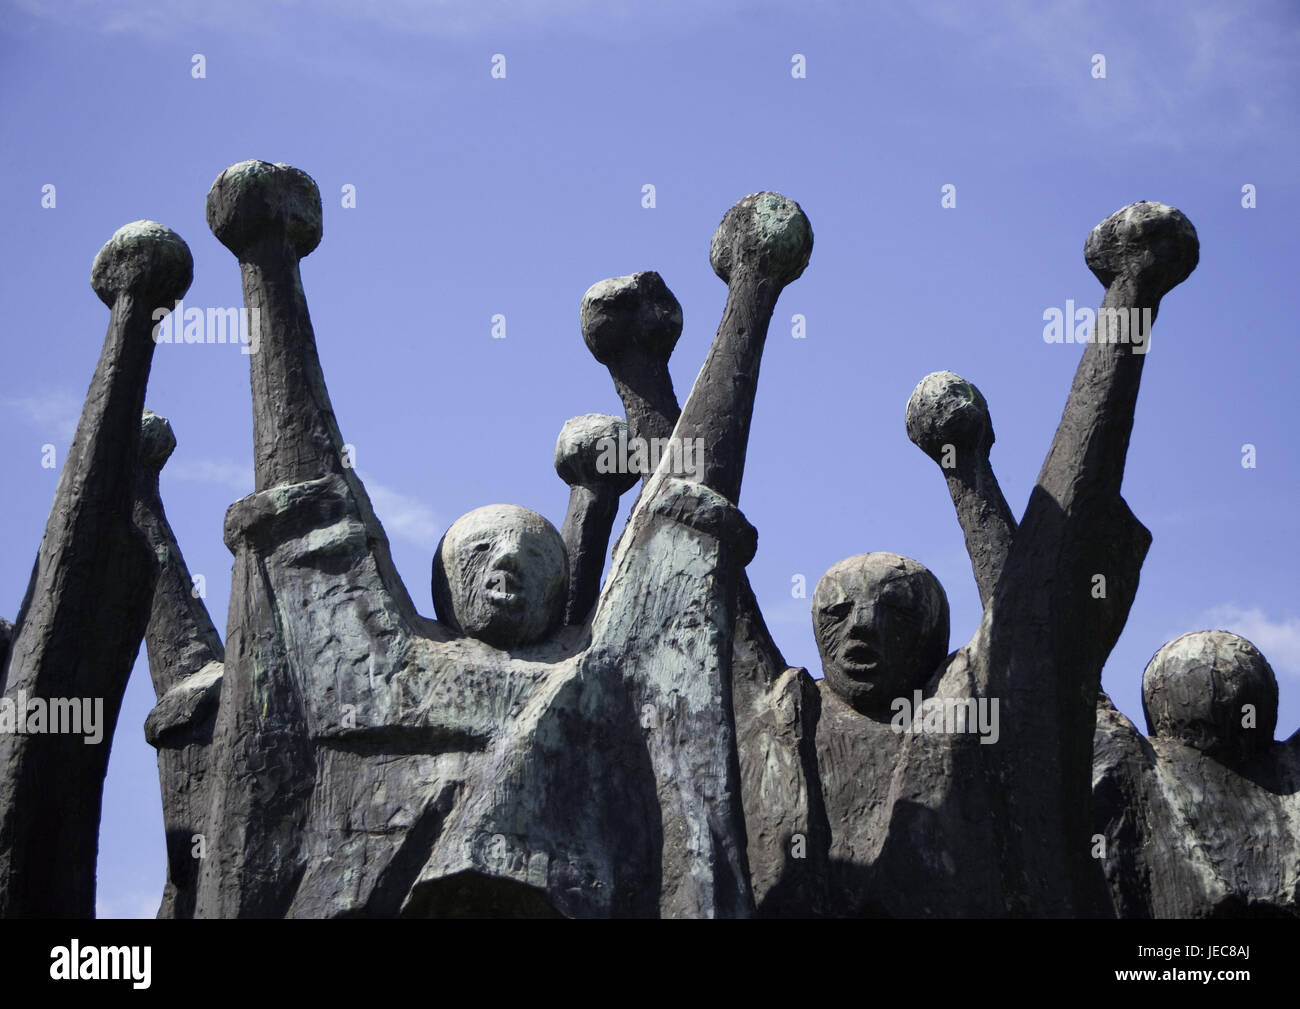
434,18
404,516
55,412
1201,70
235,476
1235,63
1279,640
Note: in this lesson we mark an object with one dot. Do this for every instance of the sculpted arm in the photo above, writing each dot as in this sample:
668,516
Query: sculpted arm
669,605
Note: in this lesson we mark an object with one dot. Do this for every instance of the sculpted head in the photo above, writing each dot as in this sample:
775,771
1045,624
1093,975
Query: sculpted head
1197,690
501,575
881,623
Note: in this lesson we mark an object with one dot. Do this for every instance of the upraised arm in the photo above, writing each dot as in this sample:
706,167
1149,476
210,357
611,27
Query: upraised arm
317,613
948,419
80,625
631,325
1070,579
269,216
186,662
672,637
1076,526
1139,254
586,459
181,637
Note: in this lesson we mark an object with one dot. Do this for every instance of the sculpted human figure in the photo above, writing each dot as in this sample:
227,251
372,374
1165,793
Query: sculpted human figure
1176,836
549,746
79,627
881,623
1233,849
631,325
365,760
1202,818
506,544
973,829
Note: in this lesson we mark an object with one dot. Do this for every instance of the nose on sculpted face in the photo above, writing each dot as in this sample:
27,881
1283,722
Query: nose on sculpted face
507,557
862,632
864,618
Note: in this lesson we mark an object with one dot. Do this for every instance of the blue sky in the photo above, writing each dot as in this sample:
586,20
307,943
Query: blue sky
478,196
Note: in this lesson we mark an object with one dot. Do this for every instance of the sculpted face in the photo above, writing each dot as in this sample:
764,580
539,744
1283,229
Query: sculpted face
1213,691
881,623
501,575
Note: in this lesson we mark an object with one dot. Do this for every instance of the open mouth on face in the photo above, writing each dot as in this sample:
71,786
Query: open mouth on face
503,591
859,660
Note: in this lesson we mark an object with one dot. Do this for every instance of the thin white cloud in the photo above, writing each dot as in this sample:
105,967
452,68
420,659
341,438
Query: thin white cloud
308,38
235,476
404,516
1205,71
435,18
55,412
1278,640
1201,71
